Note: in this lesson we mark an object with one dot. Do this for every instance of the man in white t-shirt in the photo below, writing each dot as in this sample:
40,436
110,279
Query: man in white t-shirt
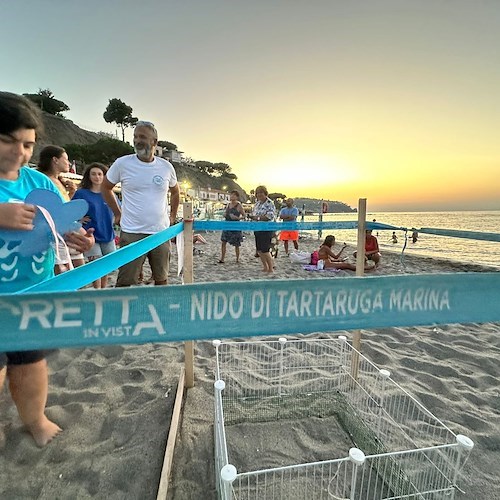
145,181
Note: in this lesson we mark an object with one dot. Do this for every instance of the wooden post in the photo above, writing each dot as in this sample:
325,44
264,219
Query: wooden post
187,213
360,271
172,437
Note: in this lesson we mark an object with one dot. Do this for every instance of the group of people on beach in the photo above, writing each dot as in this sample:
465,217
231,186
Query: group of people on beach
148,186
264,210
145,179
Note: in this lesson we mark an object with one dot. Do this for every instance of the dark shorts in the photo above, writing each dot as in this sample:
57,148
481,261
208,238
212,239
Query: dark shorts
22,357
263,240
128,274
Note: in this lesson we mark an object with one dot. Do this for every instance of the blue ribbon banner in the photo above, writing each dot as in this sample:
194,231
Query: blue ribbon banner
234,309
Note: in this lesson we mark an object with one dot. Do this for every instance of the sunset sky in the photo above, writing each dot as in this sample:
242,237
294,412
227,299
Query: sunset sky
396,101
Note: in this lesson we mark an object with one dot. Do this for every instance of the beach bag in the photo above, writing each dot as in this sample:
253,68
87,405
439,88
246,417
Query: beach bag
300,257
314,258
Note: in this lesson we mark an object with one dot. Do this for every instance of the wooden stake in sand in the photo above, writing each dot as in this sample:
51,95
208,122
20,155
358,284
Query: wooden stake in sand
172,436
360,271
187,213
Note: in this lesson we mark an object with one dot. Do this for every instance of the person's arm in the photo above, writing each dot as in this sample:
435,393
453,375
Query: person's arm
70,187
175,197
17,216
82,240
270,213
336,257
241,211
110,199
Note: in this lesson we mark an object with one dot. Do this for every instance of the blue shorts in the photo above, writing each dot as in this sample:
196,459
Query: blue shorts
101,249
22,357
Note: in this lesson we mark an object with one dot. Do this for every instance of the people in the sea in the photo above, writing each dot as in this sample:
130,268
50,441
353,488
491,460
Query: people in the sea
372,251
99,216
264,211
146,181
54,162
20,122
289,213
394,237
234,212
414,236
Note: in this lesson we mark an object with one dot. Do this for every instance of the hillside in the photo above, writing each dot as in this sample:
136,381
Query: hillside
314,205
60,131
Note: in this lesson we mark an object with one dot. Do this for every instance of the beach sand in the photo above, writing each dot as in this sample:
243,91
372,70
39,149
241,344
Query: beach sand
115,403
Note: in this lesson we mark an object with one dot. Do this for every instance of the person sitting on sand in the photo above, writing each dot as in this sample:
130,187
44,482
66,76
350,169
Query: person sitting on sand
234,212
372,251
20,121
330,258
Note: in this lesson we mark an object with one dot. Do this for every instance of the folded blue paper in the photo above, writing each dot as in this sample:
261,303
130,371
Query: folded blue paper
64,214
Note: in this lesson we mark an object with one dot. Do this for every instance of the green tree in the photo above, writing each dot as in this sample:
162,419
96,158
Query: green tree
278,199
105,150
207,167
120,113
46,101
170,146
221,169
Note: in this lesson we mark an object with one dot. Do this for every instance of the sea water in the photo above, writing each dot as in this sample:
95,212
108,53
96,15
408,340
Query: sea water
443,247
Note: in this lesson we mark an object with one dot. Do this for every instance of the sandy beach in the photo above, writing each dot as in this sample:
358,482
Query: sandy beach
115,403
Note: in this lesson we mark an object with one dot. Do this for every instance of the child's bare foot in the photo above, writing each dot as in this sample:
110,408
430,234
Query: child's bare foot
44,431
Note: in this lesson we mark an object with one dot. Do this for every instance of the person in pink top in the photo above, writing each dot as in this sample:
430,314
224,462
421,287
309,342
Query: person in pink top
372,251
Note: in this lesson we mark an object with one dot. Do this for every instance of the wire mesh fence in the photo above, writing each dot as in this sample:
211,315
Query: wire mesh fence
398,448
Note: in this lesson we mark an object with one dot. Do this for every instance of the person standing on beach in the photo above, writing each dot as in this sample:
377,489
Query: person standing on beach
234,212
289,213
146,181
99,216
53,162
264,211
20,121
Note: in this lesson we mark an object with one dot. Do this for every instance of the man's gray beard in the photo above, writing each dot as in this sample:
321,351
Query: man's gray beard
143,153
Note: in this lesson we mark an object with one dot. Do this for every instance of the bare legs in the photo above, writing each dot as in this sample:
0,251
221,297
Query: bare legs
101,282
223,252
29,387
344,265
3,371
267,262
295,245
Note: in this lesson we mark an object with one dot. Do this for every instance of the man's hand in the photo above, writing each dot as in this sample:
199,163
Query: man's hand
17,216
117,219
82,241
